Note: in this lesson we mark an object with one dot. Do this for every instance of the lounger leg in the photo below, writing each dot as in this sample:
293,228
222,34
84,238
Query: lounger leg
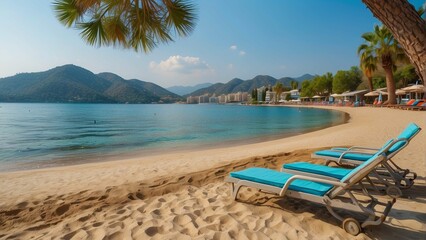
372,184
397,178
235,188
366,193
330,209
380,178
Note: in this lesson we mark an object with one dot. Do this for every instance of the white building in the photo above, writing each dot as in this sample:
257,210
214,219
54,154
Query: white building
222,98
260,94
294,94
192,100
203,99
213,99
270,96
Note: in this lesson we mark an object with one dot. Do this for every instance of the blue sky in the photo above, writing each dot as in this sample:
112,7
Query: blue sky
233,38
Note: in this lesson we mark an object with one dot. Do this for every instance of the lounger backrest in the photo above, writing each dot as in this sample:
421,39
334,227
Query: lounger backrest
415,103
410,101
410,131
366,167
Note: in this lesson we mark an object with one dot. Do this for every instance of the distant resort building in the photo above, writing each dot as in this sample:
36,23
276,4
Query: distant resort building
222,98
203,99
260,93
192,100
239,97
294,94
270,96
213,99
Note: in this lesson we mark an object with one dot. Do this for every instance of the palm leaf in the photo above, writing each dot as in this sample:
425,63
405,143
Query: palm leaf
93,32
181,15
67,12
137,24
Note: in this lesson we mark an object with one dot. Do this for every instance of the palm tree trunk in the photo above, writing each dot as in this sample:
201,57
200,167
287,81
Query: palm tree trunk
408,28
390,84
370,83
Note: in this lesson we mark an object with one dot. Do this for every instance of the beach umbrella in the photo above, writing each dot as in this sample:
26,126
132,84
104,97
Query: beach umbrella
335,95
383,92
372,94
400,92
415,89
380,97
316,96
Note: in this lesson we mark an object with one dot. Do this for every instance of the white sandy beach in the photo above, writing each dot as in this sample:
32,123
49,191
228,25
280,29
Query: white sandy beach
183,196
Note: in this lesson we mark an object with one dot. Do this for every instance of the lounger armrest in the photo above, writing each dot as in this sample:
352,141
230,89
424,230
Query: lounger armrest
363,148
313,179
345,153
357,149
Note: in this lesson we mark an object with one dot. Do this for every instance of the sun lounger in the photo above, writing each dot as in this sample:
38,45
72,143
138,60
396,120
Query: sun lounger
413,104
332,193
333,173
390,173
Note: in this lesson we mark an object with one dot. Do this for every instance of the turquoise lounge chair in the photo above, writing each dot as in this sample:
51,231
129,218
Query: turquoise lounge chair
332,193
390,173
337,173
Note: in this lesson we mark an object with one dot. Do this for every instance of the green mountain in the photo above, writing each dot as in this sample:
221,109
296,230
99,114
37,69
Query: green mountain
71,83
238,85
182,90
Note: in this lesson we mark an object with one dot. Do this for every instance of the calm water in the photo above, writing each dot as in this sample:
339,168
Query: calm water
42,135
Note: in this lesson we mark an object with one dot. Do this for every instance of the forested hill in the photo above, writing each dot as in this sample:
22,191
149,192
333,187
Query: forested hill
70,83
239,85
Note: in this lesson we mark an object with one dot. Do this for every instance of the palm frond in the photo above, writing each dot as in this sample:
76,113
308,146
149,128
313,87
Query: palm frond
67,12
180,15
116,30
93,32
137,24
362,48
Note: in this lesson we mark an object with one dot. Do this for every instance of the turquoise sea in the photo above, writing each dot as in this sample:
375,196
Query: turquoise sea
34,135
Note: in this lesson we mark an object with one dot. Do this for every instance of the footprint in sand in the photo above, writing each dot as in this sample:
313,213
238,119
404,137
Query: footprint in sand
62,209
151,231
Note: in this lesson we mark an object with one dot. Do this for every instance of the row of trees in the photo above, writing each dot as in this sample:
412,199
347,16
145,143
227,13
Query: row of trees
380,48
325,84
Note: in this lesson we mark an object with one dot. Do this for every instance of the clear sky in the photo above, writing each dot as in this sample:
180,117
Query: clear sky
233,38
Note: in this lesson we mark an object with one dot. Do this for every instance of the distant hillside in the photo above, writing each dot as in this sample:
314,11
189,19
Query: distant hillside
238,85
71,83
304,77
182,90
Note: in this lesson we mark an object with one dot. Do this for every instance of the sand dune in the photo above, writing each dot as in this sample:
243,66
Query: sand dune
183,196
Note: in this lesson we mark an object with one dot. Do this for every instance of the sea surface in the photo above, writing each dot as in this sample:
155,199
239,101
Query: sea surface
37,135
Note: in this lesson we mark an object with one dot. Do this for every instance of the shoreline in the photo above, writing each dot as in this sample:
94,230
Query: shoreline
183,194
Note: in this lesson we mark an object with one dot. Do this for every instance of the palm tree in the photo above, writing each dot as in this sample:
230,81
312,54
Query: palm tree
137,24
294,84
368,65
407,26
278,88
381,47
